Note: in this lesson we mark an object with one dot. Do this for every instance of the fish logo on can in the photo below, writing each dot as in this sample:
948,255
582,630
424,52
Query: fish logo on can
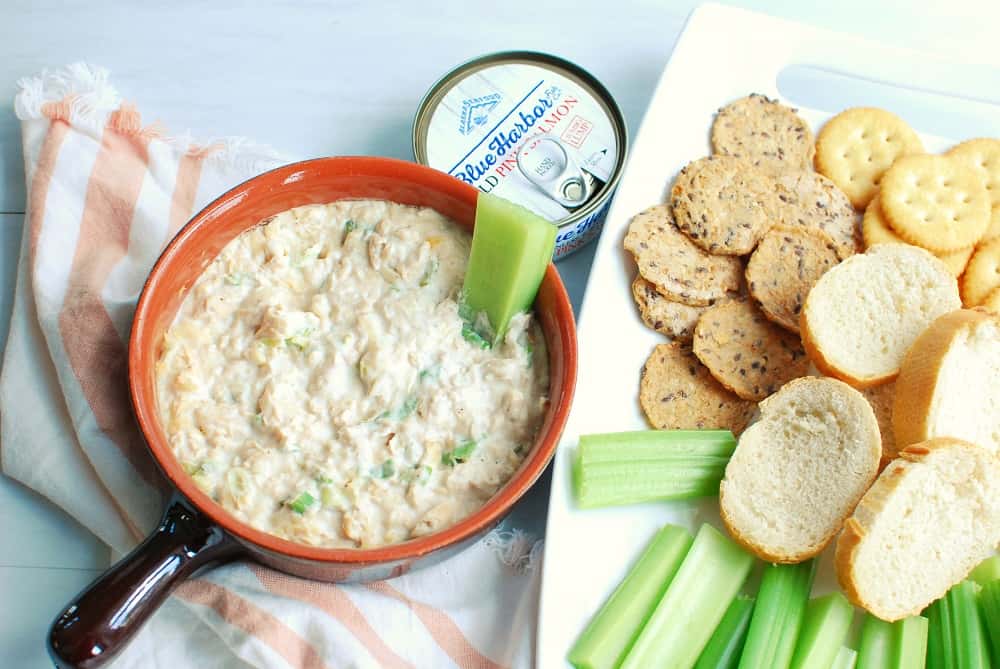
531,128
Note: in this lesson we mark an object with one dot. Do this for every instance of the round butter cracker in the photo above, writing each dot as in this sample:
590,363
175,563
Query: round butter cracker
982,274
858,145
935,202
983,156
677,393
679,269
673,319
812,201
747,353
723,204
875,230
763,131
784,267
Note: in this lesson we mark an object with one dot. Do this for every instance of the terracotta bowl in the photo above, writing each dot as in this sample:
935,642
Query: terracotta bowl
196,531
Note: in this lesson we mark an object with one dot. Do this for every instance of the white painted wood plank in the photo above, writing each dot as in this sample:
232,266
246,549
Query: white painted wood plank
31,599
10,243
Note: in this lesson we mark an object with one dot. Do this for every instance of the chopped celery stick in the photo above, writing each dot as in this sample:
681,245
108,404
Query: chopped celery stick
935,648
511,248
989,605
610,634
655,444
781,605
634,482
695,601
724,648
987,571
909,643
846,658
824,628
876,643
631,467
969,650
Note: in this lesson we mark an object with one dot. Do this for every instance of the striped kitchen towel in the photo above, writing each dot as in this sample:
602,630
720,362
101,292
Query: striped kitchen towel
105,194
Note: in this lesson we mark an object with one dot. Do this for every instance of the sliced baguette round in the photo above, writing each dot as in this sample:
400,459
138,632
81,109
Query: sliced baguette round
798,471
862,315
932,515
949,382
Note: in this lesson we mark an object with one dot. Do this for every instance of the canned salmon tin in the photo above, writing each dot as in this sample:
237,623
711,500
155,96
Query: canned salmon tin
532,128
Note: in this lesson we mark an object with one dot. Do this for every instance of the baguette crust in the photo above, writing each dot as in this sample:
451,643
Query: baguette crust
919,373
863,416
872,505
767,554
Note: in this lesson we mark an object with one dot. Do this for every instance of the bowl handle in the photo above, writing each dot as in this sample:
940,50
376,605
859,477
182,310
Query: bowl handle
102,619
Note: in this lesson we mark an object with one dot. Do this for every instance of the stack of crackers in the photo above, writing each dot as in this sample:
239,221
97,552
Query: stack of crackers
724,267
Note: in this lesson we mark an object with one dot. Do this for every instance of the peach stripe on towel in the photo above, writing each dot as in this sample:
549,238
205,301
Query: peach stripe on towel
331,599
93,347
253,620
443,629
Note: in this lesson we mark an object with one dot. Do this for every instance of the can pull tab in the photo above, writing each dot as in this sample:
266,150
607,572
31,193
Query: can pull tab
546,164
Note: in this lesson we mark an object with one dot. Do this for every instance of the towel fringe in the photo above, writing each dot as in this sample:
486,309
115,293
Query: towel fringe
81,94
516,549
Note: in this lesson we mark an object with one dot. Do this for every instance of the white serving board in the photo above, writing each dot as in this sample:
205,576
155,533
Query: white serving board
723,53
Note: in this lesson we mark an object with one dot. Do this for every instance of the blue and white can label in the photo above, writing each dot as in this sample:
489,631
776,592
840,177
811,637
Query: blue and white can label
489,119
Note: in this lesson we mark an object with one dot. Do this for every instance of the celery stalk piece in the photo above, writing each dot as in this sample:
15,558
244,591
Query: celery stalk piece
909,643
969,649
777,618
511,248
696,600
987,571
846,658
824,628
655,444
724,648
635,482
989,606
610,634
631,467
935,641
876,643
898,645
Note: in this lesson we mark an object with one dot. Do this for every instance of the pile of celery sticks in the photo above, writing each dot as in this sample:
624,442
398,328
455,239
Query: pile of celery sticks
683,602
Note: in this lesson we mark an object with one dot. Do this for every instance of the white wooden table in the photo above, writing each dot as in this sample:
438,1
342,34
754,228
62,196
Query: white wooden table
324,78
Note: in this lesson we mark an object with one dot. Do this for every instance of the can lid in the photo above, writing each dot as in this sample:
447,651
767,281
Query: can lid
530,127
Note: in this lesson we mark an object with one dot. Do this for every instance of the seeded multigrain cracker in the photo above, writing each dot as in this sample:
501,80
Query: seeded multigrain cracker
673,319
881,398
763,131
983,156
935,202
677,393
723,204
810,200
858,145
982,275
678,268
784,267
747,353
876,230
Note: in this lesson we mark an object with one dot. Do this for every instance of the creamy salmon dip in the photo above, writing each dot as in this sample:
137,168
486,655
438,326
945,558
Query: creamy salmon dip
320,384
